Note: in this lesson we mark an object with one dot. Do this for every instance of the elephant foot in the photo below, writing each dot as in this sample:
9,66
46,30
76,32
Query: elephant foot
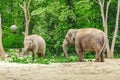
97,60
80,60
102,61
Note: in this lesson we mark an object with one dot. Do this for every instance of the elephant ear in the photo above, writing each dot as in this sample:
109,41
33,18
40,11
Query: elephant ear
31,42
72,34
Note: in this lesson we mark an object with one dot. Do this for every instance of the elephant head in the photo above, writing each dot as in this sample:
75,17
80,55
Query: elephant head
69,39
28,44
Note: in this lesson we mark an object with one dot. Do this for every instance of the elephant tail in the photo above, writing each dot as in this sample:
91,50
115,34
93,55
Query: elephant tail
104,43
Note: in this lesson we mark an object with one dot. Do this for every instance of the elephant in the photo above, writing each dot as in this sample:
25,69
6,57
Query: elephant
36,44
86,39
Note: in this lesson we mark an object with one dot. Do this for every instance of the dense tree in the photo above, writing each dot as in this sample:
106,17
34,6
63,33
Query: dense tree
104,15
52,18
26,10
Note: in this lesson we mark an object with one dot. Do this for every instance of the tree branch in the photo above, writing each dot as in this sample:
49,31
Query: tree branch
25,8
96,1
21,6
28,10
102,14
107,8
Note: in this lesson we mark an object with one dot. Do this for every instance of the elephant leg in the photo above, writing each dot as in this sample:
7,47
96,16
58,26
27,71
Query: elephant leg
33,56
40,55
102,56
80,54
97,57
25,52
97,49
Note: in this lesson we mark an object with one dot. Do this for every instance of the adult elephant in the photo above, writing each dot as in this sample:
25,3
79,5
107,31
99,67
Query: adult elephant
86,39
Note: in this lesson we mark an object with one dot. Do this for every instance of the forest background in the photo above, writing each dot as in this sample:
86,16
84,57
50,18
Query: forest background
52,18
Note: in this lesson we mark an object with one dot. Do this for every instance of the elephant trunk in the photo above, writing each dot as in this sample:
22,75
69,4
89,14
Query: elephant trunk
25,51
64,46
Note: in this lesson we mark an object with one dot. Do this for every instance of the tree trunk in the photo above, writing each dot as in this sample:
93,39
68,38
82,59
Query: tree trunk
27,15
116,28
26,18
104,19
1,47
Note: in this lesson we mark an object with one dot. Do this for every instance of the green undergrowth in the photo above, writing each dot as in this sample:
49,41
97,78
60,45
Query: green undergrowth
45,60
51,58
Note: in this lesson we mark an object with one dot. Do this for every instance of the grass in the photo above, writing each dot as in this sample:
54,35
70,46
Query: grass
50,58
45,60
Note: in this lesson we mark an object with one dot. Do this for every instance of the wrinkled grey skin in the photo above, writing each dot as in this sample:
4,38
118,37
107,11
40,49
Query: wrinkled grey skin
86,39
69,40
36,44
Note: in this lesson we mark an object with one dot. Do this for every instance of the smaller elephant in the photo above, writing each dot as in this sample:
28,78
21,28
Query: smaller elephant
86,39
36,44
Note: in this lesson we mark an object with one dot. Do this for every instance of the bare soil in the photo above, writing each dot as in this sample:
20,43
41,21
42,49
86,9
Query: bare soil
108,70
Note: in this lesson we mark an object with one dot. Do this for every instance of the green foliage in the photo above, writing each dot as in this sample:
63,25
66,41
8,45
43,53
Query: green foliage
11,14
56,18
12,40
45,60
50,58
52,19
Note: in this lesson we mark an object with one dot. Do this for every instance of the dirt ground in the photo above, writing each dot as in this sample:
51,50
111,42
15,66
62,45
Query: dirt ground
108,70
